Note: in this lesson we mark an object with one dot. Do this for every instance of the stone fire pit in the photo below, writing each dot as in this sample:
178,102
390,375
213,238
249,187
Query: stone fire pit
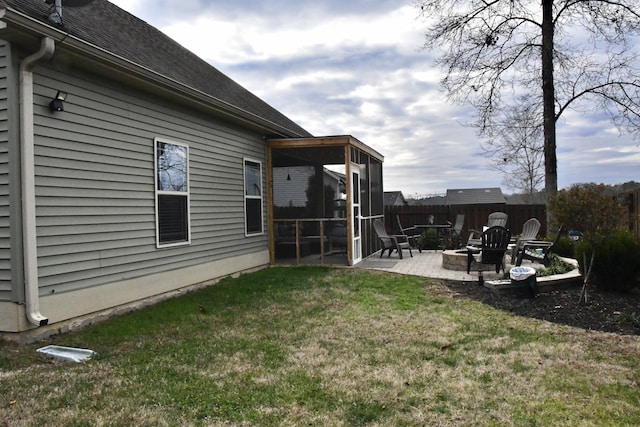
457,260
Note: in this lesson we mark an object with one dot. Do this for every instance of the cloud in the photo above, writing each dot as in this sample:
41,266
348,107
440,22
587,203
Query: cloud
355,67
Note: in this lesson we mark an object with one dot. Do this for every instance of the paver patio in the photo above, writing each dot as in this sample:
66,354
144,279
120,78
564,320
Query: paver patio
427,263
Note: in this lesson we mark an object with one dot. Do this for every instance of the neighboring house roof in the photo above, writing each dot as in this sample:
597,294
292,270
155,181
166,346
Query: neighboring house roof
475,196
394,198
435,200
107,30
337,176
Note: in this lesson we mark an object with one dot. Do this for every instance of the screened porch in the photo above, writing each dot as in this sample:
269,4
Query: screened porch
324,194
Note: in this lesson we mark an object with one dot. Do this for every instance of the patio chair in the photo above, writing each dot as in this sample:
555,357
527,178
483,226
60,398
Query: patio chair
391,242
411,233
538,250
497,219
529,232
454,234
494,242
494,219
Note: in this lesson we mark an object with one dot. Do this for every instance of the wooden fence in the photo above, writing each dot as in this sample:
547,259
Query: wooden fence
475,216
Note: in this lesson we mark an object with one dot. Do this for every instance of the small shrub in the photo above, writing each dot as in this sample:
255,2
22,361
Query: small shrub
626,318
589,209
616,265
429,239
556,266
565,247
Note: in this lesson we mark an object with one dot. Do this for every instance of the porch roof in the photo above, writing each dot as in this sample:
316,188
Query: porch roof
325,141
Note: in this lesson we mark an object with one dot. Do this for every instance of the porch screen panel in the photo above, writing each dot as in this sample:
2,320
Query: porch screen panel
377,199
364,185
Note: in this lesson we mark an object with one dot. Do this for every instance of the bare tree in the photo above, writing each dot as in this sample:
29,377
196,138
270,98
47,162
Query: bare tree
558,54
515,148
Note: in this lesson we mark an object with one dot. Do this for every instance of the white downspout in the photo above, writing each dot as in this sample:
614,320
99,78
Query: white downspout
29,242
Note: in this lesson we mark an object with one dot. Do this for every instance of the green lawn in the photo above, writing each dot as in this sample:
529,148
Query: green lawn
326,347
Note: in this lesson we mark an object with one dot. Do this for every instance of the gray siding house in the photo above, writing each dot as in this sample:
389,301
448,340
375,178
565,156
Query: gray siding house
148,178
394,198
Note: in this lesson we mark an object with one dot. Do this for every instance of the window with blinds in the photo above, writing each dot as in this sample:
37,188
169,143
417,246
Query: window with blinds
172,193
253,197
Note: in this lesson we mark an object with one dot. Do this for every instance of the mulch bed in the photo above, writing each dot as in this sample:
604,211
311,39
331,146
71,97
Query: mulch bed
605,311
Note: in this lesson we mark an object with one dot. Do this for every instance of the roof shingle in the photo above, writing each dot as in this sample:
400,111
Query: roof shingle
108,27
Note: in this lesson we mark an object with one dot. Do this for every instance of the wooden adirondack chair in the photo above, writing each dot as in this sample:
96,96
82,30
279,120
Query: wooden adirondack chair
529,233
494,219
538,250
494,242
391,242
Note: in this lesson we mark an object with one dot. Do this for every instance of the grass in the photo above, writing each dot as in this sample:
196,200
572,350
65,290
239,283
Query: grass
322,346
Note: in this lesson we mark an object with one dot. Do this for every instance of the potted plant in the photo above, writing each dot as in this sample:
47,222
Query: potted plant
429,239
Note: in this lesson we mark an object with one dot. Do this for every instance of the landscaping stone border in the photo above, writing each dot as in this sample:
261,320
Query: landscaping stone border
555,282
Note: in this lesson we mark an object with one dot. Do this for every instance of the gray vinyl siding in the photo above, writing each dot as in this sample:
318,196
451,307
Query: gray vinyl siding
5,217
95,183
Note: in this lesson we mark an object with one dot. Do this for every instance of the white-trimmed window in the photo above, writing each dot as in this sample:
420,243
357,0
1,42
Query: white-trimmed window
172,193
252,197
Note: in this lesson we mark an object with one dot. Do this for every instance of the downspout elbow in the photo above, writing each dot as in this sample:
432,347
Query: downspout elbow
47,47
29,240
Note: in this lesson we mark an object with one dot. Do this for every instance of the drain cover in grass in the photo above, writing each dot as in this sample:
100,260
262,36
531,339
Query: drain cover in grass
68,354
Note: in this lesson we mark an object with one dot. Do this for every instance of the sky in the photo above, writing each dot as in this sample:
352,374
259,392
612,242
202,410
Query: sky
357,67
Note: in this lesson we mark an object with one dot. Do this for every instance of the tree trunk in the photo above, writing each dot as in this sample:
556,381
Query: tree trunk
548,100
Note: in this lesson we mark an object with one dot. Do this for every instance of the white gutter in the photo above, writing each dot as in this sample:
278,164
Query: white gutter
29,242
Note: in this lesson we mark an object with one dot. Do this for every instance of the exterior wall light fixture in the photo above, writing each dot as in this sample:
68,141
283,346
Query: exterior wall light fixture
56,103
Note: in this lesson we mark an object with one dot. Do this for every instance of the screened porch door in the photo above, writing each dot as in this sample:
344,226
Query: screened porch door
356,231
